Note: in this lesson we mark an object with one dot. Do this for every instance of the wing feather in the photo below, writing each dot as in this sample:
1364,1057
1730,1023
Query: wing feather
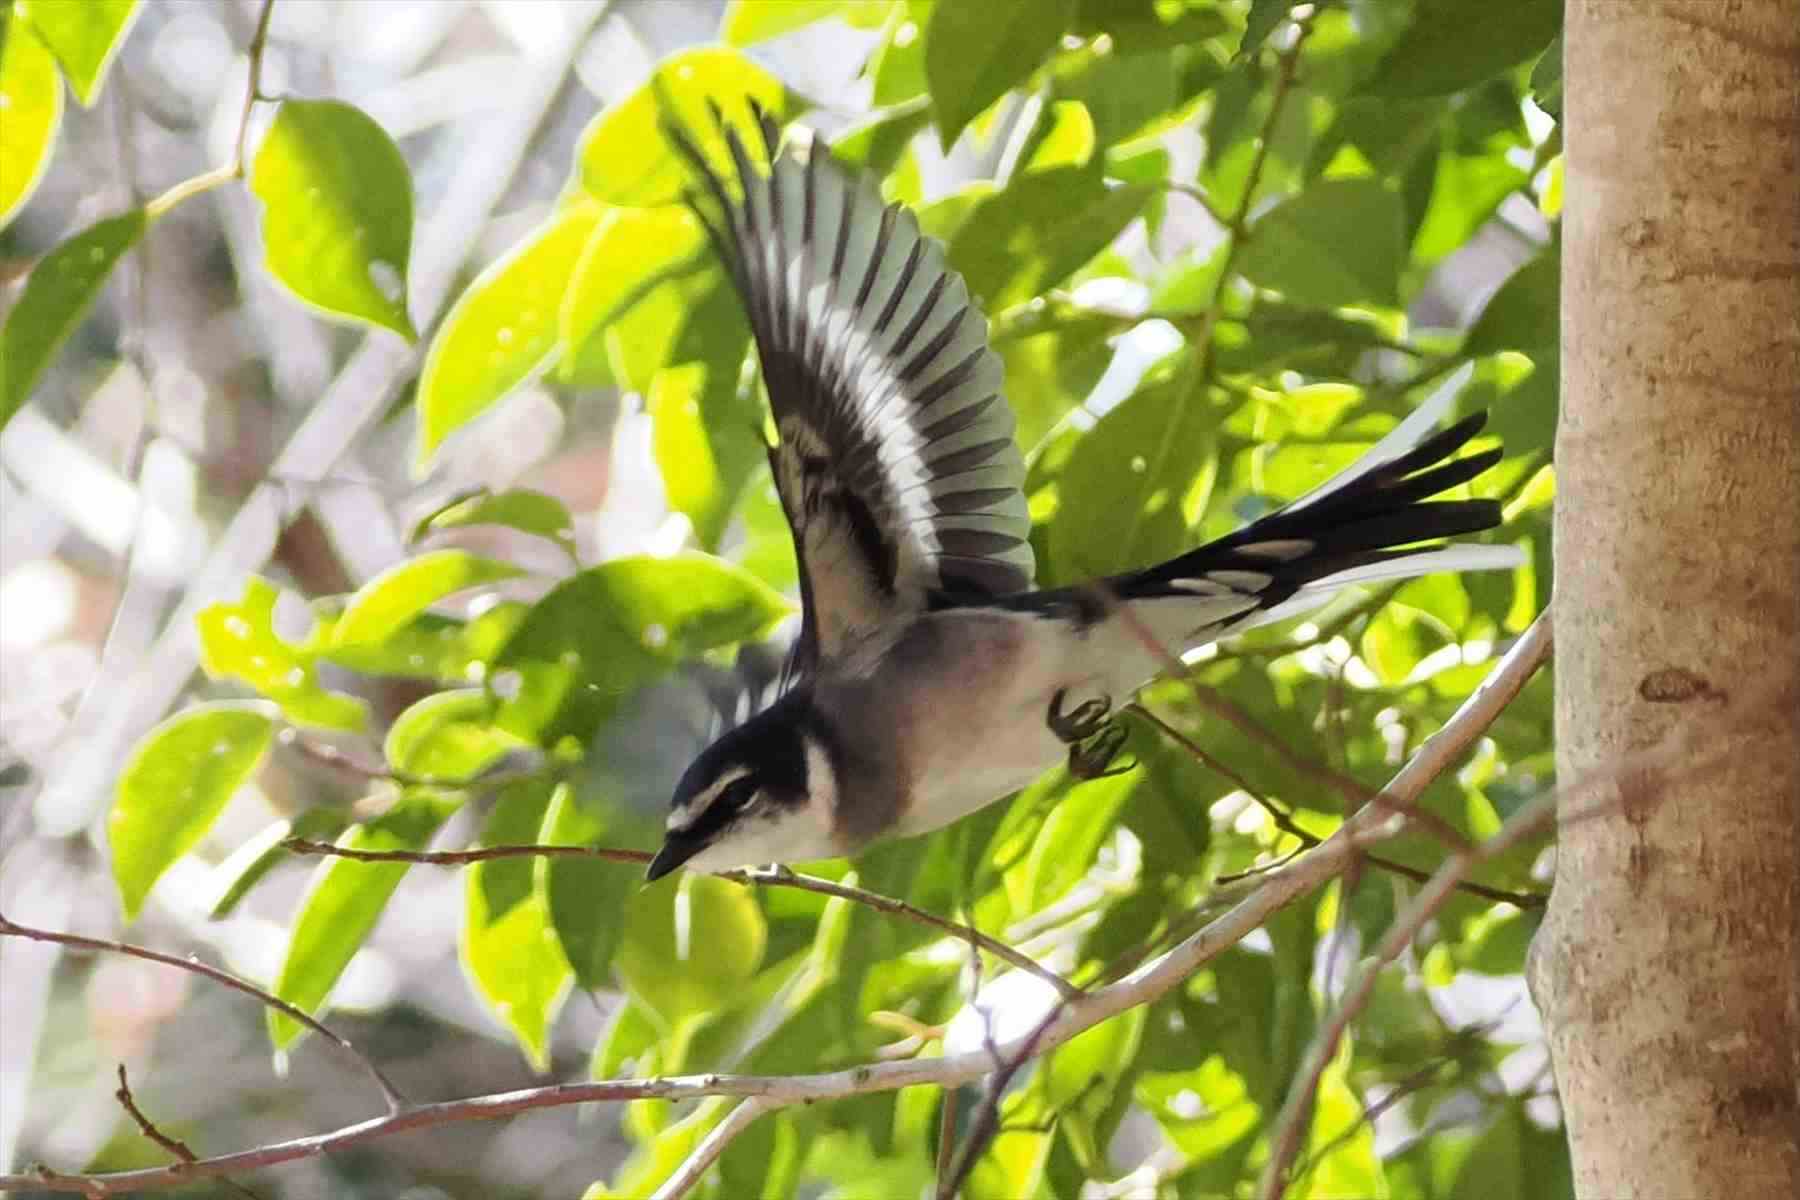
896,463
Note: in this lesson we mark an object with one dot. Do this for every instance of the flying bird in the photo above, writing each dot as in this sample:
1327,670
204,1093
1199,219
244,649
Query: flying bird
929,679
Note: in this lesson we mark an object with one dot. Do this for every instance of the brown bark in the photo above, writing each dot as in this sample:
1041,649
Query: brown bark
1666,966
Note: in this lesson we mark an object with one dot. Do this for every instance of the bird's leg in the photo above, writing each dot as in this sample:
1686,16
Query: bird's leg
1093,737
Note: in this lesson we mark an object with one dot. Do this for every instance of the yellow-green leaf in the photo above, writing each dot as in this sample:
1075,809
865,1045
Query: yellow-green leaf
502,330
83,34
629,253
61,290
31,101
447,736
343,903
536,513
750,21
238,640
626,156
690,945
403,591
174,787
337,211
508,948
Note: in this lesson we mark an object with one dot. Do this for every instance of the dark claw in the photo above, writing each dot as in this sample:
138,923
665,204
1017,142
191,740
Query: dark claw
1093,758
1084,721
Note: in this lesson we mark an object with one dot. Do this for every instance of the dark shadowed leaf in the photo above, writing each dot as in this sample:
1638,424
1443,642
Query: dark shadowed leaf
1455,44
975,52
691,942
1523,314
61,289
586,896
1547,79
337,211
175,785
251,862
1031,235
1264,16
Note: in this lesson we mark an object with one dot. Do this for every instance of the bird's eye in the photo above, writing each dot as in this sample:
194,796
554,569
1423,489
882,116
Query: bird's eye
740,793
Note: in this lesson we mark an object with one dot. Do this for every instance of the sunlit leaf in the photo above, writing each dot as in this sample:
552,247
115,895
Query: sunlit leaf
536,513
251,862
1455,44
337,211
175,785
1153,459
1334,244
403,591
83,34
629,252
59,293
626,156
31,98
897,68
1033,234
975,52
343,902
602,634
502,329
238,640
512,957
691,942
747,22
447,736
1067,138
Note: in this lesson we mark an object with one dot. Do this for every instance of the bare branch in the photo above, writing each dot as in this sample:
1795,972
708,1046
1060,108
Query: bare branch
175,1146
234,169
396,1102
781,877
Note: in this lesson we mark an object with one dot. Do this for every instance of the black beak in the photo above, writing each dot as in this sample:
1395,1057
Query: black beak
675,851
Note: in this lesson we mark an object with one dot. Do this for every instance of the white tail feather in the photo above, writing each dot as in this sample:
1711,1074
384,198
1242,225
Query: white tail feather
1426,562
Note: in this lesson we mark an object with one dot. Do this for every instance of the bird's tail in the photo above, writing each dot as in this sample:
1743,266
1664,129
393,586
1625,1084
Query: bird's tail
1345,531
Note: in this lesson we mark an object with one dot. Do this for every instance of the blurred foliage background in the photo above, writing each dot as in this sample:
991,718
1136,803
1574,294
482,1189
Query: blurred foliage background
435,444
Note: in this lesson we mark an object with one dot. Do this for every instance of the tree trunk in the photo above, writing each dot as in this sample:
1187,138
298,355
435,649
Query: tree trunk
1666,968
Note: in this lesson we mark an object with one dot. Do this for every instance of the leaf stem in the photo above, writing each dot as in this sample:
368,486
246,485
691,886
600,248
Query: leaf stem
226,173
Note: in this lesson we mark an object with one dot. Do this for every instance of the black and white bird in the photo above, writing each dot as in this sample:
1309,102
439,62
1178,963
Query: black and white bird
929,679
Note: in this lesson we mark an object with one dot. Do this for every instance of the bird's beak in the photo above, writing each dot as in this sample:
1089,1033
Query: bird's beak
675,851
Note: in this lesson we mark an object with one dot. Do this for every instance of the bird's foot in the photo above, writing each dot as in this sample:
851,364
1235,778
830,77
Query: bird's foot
1093,737
1081,722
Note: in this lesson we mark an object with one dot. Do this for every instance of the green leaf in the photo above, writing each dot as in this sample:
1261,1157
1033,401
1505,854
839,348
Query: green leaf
1123,93
880,142
83,34
32,100
1523,314
429,647
1067,138
246,866
1456,44
1496,942
502,329
1034,233
343,902
511,955
536,513
626,156
393,598
447,735
1136,483
629,253
174,787
586,896
1137,25
62,288
1264,16
1547,79
238,640
599,636
690,945
1336,243
337,211
897,68
975,52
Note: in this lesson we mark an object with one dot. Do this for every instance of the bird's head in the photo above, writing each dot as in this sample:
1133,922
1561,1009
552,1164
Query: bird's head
759,794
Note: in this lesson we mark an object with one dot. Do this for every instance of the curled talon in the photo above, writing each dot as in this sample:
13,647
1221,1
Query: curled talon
1093,758
1080,723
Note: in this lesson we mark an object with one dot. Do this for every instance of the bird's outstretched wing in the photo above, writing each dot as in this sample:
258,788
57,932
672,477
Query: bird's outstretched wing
896,463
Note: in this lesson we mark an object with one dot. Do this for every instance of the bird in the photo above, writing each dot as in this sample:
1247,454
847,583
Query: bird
929,678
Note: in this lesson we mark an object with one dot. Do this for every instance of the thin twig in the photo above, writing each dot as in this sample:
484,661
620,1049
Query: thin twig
987,1118
777,878
234,169
694,1167
177,1148
396,1101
